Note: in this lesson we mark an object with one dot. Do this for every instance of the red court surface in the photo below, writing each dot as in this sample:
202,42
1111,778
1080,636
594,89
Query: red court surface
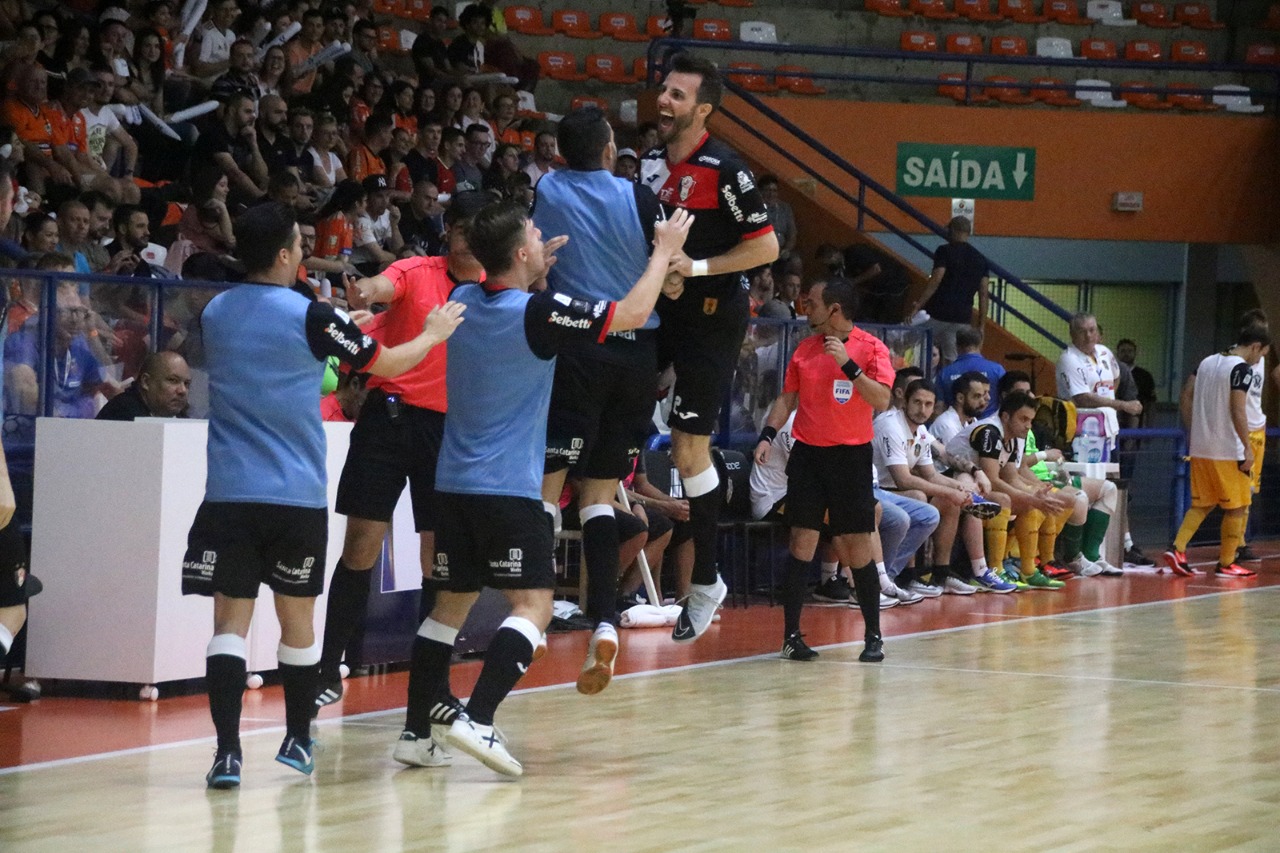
59,728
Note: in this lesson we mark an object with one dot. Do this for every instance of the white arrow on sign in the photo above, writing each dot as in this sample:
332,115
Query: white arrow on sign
1020,170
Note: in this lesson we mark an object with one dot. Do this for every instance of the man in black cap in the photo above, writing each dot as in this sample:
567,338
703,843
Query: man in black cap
377,241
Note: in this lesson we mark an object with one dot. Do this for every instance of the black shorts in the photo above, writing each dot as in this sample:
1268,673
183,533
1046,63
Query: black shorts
386,451
13,566
831,486
599,416
629,525
659,525
234,547
497,541
702,340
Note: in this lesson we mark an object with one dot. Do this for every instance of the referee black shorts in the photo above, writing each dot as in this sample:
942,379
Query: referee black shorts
385,451
235,547
497,541
831,487
13,566
599,415
702,339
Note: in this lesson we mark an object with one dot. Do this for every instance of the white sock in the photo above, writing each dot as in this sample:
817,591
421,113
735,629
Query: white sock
883,573
829,570
430,629
291,656
6,641
979,566
1128,541
701,484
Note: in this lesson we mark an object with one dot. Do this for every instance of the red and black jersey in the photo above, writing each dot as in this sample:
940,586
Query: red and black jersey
716,186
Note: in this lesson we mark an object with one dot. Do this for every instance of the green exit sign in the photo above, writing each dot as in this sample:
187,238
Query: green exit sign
966,171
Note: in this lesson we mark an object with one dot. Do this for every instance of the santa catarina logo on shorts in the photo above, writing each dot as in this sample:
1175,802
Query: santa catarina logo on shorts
513,566
842,390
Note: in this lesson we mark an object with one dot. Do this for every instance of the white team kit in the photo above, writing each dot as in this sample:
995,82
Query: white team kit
1212,434
897,443
769,481
1097,374
1253,402
961,445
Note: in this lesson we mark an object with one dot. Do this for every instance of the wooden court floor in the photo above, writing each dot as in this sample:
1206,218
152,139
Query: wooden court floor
1139,713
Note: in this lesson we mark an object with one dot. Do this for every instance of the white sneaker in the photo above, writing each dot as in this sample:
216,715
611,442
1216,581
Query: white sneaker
887,601
925,590
597,669
1083,567
1107,569
955,586
421,751
904,596
484,745
700,607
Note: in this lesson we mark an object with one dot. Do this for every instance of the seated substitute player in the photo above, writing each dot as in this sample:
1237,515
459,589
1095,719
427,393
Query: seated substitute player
493,528
264,518
1214,408
836,381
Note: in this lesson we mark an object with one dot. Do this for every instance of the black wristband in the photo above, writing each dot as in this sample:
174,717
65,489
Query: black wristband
851,369
767,434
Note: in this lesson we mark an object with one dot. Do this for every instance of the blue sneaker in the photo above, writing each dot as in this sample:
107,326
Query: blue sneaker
981,508
296,754
991,583
225,772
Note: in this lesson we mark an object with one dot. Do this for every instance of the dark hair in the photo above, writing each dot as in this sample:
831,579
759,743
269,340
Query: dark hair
968,337
1254,333
582,136
448,134
54,261
918,385
960,385
375,124
282,180
93,198
68,34
473,12
156,68
363,25
904,376
1016,402
476,127
261,232
1013,377
438,10
839,291
1124,341
710,89
34,222
1255,315
123,214
496,232
345,194
204,178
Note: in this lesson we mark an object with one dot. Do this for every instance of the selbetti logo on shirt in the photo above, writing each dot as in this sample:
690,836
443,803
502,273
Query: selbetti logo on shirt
842,390
569,322
343,341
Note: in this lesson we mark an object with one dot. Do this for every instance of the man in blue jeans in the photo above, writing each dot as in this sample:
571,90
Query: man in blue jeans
905,525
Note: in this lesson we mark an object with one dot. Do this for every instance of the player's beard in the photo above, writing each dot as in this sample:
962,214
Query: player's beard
679,124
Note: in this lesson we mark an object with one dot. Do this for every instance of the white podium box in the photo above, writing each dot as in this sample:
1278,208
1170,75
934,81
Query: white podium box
113,504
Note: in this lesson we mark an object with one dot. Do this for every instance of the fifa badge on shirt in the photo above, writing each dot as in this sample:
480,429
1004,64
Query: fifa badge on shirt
842,390
709,306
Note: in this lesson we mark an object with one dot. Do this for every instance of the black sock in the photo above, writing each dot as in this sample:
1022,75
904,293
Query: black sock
793,589
428,682
940,573
600,547
344,613
299,698
426,600
905,577
508,657
704,515
866,585
224,679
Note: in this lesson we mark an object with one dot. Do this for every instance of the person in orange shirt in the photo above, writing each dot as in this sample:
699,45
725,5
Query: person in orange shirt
69,124
335,223
34,119
364,160
304,46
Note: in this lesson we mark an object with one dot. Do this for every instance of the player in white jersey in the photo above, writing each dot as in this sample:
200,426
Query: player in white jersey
1215,408
1088,373
1257,424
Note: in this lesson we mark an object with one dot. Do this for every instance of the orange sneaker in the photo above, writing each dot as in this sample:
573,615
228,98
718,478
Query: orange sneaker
1235,571
1177,563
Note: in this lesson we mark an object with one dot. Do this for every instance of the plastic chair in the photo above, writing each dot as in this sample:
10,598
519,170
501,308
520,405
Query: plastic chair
1097,93
573,23
658,26
1109,12
1235,99
389,39
389,7
1021,11
1007,94
796,79
1143,50
1190,101
1054,47
977,10
712,29
750,76
1154,15
1262,54
417,10
1196,15
526,20
1060,97
1188,51
888,8
1098,49
1132,93
758,32
560,65
527,107
964,43
952,86
1065,12
621,26
607,68
935,10
581,101
1272,21
918,41
736,4
1009,46
640,69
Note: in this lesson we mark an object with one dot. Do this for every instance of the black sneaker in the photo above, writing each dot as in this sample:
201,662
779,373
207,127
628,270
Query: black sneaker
835,589
872,651
1135,557
1244,554
225,772
329,691
443,713
794,648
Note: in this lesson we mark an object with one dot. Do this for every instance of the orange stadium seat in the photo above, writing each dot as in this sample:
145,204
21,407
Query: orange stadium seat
1196,15
1154,15
1272,21
1060,97
737,4
581,101
977,10
389,7
797,80
750,76
573,23
1022,12
621,26
658,26
952,86
1007,94
1098,49
559,65
933,9
888,8
1262,54
608,68
1188,51
917,41
417,10
712,29
1143,50
1009,46
1143,100
1190,101
526,20
640,68
1065,12
389,39
964,43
